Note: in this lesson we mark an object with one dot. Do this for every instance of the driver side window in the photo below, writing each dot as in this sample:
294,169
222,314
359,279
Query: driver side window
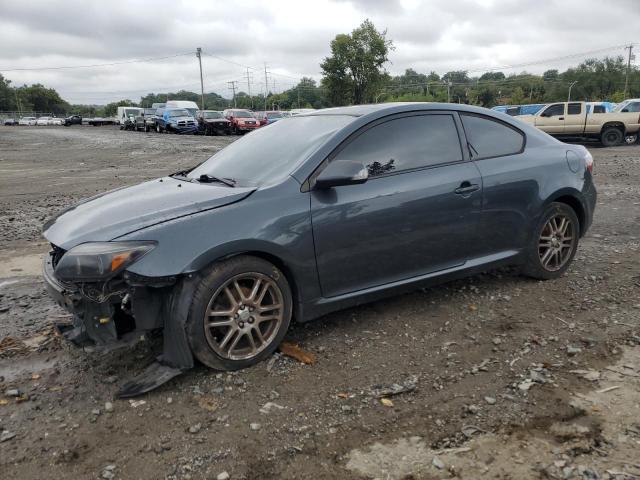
405,143
554,110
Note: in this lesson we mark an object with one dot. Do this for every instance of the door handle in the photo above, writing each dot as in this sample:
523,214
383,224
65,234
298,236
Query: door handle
561,118
466,187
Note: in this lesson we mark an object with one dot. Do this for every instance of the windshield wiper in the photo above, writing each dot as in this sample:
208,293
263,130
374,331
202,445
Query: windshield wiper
205,178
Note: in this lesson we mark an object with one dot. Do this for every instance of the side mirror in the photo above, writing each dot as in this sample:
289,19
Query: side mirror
342,172
625,110
544,114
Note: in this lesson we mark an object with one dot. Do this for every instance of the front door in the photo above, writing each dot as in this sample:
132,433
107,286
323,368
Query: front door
552,119
417,213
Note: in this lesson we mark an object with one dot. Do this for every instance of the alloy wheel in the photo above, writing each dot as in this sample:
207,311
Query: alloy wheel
556,243
244,316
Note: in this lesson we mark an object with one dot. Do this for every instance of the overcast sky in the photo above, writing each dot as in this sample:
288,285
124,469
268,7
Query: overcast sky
292,37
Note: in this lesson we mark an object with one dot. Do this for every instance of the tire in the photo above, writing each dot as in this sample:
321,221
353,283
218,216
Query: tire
541,264
208,344
158,128
611,137
147,129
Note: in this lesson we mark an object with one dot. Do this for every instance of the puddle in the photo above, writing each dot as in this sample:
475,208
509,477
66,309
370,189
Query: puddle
20,266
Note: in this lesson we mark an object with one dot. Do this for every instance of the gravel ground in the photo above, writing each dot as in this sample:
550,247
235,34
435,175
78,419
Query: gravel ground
498,376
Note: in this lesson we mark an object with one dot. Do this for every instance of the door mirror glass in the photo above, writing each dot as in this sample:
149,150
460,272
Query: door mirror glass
625,110
342,172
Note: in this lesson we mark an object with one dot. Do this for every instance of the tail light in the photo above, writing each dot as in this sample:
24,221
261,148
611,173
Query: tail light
588,158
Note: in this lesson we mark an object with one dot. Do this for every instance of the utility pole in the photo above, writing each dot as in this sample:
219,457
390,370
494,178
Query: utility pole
298,89
448,91
232,86
15,91
199,55
626,78
266,86
249,87
570,87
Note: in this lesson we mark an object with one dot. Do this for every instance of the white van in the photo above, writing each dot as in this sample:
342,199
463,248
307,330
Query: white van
191,107
125,112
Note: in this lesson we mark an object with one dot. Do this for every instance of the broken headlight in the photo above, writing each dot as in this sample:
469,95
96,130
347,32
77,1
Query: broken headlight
99,261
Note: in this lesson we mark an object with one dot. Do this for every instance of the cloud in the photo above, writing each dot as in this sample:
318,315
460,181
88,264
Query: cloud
291,37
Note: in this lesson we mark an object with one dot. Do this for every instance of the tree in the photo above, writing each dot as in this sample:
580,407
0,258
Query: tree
355,70
7,95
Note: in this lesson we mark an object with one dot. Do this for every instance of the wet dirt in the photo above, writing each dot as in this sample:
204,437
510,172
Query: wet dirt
491,356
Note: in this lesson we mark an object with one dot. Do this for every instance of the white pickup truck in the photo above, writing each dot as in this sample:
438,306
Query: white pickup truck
572,120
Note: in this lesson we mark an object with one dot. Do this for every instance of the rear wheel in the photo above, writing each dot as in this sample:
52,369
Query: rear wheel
158,128
240,313
611,137
554,244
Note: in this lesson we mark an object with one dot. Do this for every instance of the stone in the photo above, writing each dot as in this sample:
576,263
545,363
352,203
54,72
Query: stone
255,426
490,400
108,407
6,435
439,464
571,350
223,476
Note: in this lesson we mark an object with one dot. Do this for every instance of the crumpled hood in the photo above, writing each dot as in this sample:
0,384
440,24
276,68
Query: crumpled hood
116,213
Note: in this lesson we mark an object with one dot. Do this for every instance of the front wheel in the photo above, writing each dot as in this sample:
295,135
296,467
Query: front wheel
240,313
554,243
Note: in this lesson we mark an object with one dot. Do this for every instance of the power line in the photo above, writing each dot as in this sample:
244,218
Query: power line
67,67
548,60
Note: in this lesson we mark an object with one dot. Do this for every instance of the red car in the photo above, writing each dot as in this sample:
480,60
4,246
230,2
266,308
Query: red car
242,121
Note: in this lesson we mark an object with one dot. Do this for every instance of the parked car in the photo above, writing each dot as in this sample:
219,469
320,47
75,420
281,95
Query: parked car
10,121
212,122
42,121
147,120
631,105
56,121
572,120
269,117
27,121
242,121
176,120
73,120
125,114
301,111
191,107
315,213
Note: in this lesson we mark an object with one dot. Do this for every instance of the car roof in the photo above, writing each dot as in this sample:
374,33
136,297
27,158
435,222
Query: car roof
397,107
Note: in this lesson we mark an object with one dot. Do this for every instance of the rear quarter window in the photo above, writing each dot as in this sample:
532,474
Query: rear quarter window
491,138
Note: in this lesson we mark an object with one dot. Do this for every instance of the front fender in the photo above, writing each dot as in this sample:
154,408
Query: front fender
274,222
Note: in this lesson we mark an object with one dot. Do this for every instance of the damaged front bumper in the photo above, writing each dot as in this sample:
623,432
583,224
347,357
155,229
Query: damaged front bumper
119,312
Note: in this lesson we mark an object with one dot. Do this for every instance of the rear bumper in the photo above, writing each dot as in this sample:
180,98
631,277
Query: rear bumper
590,199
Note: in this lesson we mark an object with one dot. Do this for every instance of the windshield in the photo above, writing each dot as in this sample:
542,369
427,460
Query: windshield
149,111
274,115
212,115
131,111
179,113
630,105
241,114
270,154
